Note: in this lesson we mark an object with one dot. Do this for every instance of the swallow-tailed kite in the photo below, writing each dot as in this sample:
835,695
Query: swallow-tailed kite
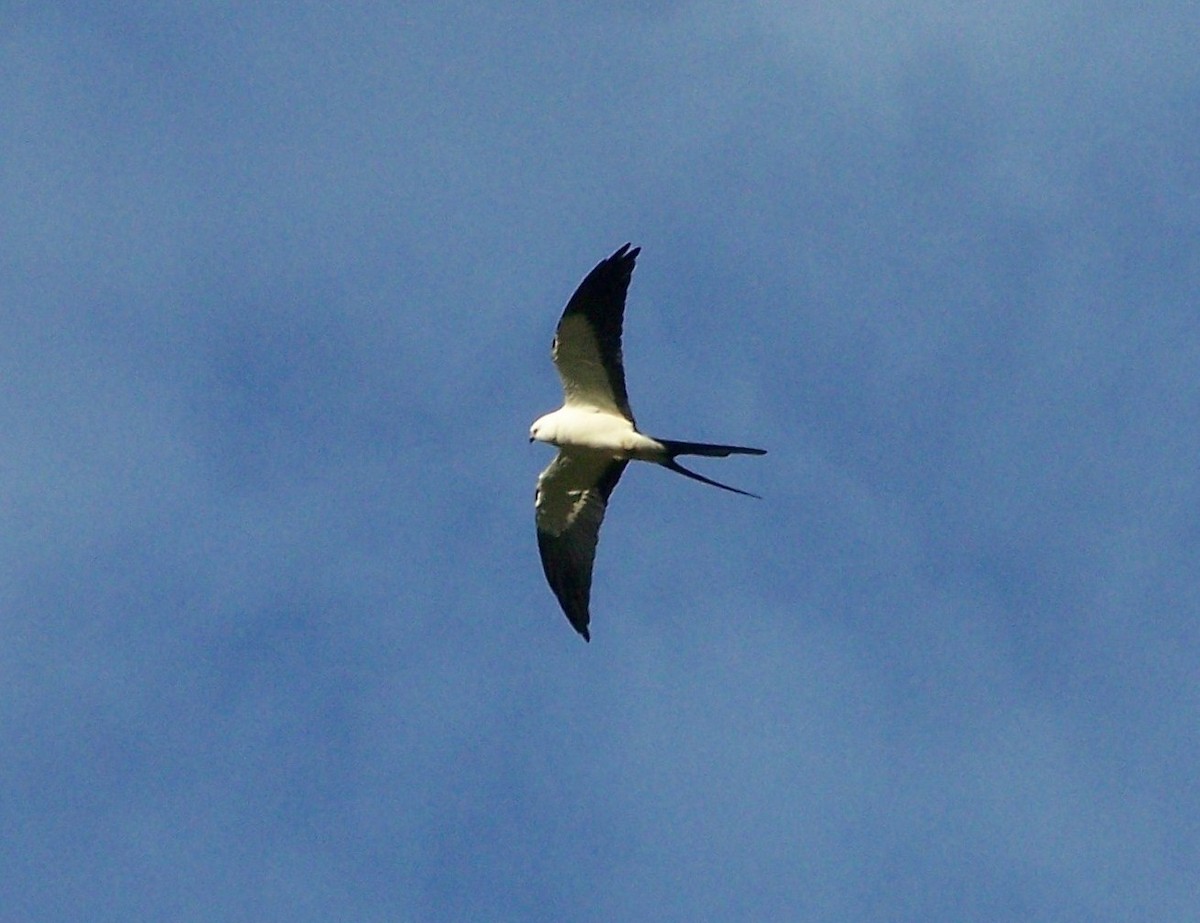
596,435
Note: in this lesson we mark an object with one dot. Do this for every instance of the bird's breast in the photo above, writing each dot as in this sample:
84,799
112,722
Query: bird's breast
594,430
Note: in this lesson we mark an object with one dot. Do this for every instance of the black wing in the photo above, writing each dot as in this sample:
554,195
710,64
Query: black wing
587,343
572,496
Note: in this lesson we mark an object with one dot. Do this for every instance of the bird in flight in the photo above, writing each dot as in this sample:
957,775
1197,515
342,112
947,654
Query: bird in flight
596,436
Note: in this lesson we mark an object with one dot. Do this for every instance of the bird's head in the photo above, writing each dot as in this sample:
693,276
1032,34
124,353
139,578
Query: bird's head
542,430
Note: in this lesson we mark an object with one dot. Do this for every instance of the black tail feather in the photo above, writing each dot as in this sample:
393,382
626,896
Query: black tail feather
708,449
671,465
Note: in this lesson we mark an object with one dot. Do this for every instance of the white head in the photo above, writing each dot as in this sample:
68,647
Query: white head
544,430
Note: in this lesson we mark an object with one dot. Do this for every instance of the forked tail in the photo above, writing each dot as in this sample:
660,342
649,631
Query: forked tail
710,450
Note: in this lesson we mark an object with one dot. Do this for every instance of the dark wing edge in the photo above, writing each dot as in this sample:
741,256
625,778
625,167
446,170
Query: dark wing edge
568,556
600,298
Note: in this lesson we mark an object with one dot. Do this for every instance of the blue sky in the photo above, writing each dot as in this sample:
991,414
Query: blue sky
279,284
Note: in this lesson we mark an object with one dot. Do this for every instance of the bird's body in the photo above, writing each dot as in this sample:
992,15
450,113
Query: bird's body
582,428
596,436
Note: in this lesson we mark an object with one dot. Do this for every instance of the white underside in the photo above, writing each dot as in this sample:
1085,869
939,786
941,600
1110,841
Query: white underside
597,430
